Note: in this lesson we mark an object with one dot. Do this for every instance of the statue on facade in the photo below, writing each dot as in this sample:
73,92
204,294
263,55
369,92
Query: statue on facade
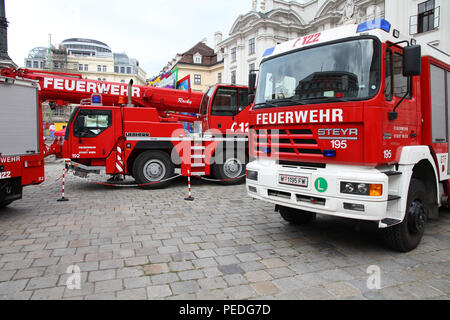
254,5
349,14
263,6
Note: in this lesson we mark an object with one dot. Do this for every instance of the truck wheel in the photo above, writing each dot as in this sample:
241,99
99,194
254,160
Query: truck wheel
407,235
153,166
298,217
231,171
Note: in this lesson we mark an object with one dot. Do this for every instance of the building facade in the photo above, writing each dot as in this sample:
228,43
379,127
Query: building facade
92,59
271,22
202,63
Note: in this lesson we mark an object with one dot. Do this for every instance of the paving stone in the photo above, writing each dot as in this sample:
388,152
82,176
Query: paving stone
132,294
158,292
102,275
258,276
212,283
156,268
265,288
231,269
7,275
139,282
164,278
240,292
42,282
191,275
108,286
48,294
342,290
235,279
181,266
10,287
184,287
274,263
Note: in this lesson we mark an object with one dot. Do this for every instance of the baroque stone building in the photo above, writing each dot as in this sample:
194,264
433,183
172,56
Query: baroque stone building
274,21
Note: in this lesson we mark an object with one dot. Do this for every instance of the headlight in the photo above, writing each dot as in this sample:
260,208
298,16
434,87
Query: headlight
252,175
362,189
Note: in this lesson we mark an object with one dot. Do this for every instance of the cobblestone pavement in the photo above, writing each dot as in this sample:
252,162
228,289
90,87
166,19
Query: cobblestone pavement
138,244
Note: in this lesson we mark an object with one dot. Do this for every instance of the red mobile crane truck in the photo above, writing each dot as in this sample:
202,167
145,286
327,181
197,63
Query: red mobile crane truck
353,122
142,138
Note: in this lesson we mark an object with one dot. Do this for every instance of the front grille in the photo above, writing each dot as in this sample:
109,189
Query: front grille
287,142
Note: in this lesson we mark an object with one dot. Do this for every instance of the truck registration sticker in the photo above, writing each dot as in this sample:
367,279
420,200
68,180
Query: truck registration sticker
5,175
293,180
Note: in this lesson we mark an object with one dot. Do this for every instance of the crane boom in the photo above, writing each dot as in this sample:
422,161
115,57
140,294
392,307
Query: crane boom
66,88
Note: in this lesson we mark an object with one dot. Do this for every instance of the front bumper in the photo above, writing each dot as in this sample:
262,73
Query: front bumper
329,200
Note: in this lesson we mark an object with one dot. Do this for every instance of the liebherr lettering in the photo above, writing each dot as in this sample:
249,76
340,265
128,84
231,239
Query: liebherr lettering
89,87
305,116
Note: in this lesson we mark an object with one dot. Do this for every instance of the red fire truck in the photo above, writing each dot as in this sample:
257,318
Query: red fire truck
138,130
21,138
353,122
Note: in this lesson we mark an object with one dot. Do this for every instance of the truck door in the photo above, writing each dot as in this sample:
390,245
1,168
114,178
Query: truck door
93,134
224,108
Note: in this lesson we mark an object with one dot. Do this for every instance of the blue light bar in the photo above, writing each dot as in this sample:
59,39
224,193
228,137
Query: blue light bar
329,153
266,150
268,52
96,99
374,24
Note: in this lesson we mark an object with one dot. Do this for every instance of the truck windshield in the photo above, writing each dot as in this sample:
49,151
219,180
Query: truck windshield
337,72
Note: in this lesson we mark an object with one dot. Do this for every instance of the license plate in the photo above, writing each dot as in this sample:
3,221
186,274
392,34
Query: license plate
293,180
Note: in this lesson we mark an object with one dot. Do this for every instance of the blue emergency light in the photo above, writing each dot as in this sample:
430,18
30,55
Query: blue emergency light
329,153
374,24
96,99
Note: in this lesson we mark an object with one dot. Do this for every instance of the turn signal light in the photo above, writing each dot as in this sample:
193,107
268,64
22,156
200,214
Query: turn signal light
376,190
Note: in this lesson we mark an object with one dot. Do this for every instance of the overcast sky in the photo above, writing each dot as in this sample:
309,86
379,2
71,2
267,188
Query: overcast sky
152,31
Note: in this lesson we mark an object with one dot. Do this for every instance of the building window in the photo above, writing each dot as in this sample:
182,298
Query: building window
35,64
428,18
233,77
197,79
80,67
122,81
86,67
42,65
105,69
219,77
28,64
251,46
198,59
99,68
116,69
128,70
233,54
122,69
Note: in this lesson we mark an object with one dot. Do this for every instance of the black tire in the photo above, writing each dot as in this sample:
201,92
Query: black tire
153,166
407,235
297,217
229,171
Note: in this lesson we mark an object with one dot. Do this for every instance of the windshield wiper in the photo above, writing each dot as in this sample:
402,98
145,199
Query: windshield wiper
332,99
279,103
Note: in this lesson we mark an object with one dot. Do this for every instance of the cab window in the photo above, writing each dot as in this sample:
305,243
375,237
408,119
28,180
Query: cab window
225,102
401,82
91,123
243,99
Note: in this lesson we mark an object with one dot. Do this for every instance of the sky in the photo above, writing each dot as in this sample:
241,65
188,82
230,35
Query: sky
152,31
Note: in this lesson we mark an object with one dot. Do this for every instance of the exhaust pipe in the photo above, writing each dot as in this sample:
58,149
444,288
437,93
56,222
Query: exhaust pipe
130,93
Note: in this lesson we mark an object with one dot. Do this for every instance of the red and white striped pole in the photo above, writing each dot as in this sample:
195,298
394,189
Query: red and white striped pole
190,198
63,198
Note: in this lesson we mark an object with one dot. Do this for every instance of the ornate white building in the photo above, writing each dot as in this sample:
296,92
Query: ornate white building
274,21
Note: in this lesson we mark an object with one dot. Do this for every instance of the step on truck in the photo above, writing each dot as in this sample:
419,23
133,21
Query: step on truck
353,122
21,138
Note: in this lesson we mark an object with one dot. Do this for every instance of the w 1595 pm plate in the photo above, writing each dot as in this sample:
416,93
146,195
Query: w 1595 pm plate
293,180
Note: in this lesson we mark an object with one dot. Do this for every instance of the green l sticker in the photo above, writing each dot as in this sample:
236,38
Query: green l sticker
321,185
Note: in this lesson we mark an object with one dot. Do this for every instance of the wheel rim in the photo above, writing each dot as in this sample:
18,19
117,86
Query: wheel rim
416,217
232,168
154,170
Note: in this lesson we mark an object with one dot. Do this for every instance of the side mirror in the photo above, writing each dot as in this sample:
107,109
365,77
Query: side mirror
412,56
251,83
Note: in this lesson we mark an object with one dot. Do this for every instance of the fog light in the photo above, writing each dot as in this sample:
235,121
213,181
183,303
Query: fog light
376,190
354,207
252,189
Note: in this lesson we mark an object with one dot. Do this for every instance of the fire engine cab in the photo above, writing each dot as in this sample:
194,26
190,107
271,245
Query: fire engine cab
353,122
